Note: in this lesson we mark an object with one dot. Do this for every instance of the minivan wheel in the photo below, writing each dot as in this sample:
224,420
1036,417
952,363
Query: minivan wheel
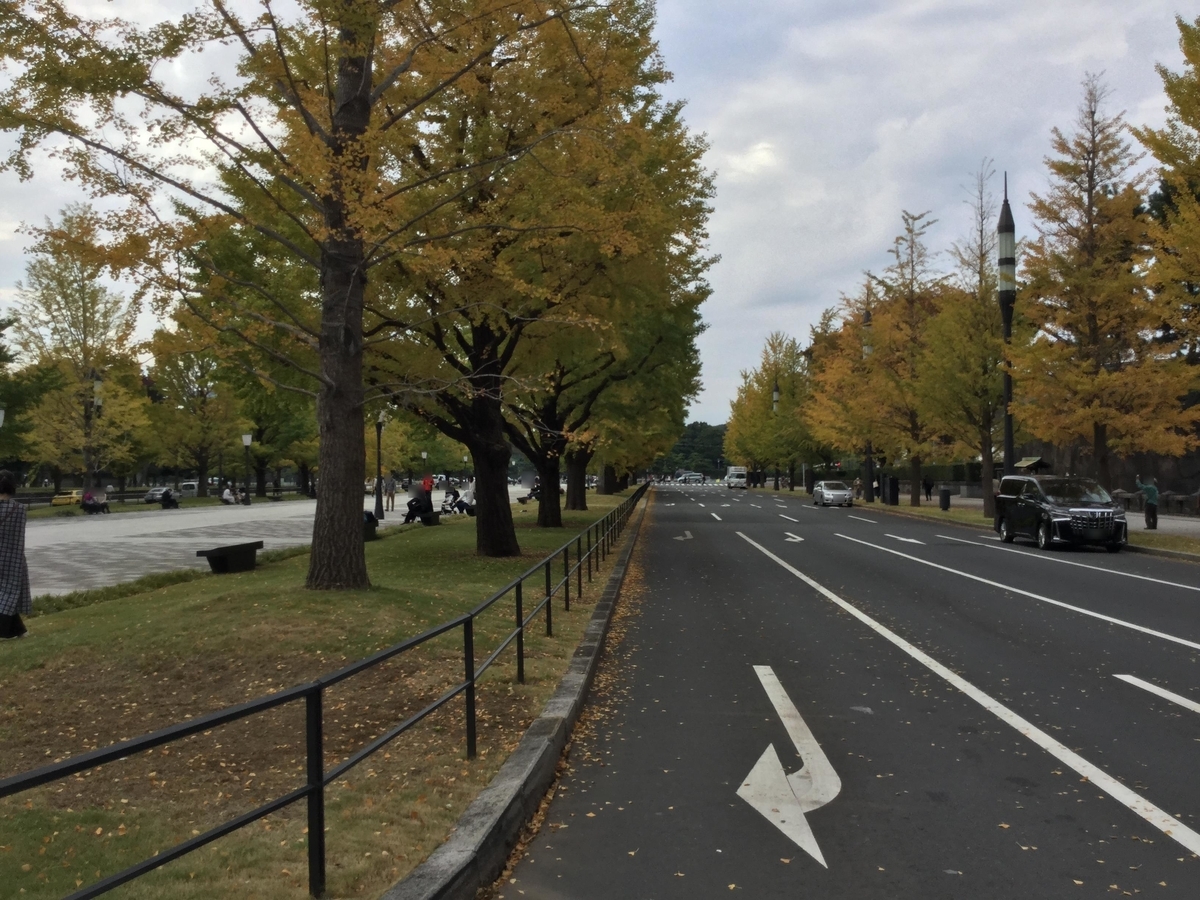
1043,537
1006,534
1113,548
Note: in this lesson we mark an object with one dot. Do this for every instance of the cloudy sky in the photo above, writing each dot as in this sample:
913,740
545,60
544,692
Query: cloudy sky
826,118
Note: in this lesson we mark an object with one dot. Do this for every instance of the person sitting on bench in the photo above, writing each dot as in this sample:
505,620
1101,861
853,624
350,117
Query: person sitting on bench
227,497
92,504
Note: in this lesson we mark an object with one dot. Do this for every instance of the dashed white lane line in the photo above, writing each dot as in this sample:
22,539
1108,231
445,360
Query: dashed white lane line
789,518
897,537
1161,692
1005,587
1069,562
756,506
702,506
861,519
715,516
1136,803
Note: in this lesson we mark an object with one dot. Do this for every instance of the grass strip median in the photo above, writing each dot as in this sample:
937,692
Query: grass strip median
95,674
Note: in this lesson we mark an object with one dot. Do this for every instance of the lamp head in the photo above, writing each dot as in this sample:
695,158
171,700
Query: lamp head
246,439
1006,233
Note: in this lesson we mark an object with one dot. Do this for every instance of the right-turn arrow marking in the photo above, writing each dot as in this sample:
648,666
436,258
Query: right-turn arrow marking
687,536
781,798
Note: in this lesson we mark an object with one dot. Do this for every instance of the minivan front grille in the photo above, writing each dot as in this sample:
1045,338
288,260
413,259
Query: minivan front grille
1091,518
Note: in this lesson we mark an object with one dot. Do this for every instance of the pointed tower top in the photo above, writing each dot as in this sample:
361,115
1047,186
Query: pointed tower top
1006,225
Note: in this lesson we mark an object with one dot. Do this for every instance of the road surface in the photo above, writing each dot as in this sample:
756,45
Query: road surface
846,704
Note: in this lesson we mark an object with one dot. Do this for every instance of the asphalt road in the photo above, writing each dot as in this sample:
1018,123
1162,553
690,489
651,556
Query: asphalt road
951,717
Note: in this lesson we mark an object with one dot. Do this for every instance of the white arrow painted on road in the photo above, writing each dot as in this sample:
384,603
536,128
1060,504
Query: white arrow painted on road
793,538
687,536
897,537
781,798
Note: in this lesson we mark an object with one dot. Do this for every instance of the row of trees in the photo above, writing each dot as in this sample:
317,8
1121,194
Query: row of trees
480,212
1105,346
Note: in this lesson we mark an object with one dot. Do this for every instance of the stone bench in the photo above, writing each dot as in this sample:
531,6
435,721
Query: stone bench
234,558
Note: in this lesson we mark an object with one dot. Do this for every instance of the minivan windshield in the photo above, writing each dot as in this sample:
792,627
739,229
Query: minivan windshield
835,486
1074,490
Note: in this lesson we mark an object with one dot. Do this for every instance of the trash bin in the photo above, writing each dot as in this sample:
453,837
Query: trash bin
370,523
944,498
893,491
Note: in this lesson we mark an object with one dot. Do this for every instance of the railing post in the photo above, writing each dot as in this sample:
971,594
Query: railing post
567,577
469,677
589,553
549,614
520,636
578,567
313,727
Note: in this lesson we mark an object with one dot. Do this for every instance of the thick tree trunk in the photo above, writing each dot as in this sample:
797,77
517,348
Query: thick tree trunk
260,479
338,559
495,534
608,481
57,473
577,463
549,504
791,475
914,473
623,483
1100,454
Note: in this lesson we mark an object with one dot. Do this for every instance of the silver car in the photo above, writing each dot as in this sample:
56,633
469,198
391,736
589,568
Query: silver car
832,492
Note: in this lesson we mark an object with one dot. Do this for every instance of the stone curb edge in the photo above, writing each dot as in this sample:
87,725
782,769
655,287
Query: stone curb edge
1132,548
475,853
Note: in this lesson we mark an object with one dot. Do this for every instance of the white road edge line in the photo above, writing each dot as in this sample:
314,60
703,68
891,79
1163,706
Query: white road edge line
861,519
1160,819
789,518
1004,587
1069,562
715,516
1161,692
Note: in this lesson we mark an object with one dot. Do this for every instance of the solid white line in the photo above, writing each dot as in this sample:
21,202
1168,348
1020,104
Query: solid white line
1160,819
1162,692
1069,562
861,519
715,516
789,518
1005,587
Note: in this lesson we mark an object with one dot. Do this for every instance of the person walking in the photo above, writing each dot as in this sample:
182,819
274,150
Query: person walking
14,571
389,493
928,485
1150,492
857,488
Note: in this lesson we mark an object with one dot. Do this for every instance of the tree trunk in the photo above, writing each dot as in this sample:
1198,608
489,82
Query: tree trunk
260,479
57,472
623,483
302,477
577,463
987,470
338,559
495,534
1100,454
791,475
914,472
202,475
608,481
549,505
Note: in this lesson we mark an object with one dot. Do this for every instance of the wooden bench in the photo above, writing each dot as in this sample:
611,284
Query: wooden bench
234,558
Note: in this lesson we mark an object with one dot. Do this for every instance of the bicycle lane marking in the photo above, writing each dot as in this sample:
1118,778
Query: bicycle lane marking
1159,818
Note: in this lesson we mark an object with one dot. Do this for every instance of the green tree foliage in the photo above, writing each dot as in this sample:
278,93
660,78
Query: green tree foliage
1091,373
701,448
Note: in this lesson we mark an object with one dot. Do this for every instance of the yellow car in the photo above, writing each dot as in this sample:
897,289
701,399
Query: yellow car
67,498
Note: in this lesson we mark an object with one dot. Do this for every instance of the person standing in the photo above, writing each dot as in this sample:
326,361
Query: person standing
389,492
1150,492
14,571
928,485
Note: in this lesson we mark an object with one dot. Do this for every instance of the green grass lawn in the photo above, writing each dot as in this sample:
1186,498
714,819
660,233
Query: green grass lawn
93,674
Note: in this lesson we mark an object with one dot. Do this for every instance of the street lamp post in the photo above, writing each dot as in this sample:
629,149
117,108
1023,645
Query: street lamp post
379,466
1006,232
867,348
466,471
246,439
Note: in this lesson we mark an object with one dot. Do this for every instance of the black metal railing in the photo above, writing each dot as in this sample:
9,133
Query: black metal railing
592,548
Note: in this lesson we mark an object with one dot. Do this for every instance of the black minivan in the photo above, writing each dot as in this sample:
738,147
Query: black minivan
1054,509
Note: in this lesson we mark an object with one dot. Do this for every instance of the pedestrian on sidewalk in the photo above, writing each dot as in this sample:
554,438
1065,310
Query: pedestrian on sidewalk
14,571
389,492
928,485
1150,491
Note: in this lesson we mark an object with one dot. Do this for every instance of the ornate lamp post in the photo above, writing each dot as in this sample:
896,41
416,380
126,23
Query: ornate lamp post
466,471
867,348
379,465
246,439
1006,232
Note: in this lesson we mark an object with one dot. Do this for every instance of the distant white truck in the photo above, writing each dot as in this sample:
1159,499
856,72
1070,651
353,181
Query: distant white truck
735,477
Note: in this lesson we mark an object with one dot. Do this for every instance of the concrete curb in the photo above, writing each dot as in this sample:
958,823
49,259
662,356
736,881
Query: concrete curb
1132,548
475,853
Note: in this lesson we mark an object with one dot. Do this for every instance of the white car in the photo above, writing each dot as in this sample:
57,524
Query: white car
832,492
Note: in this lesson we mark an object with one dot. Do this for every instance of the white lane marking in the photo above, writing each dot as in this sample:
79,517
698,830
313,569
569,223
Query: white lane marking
702,506
789,518
1005,587
724,506
1162,692
781,798
1160,819
906,540
756,506
687,536
1070,562
861,519
793,538
715,516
